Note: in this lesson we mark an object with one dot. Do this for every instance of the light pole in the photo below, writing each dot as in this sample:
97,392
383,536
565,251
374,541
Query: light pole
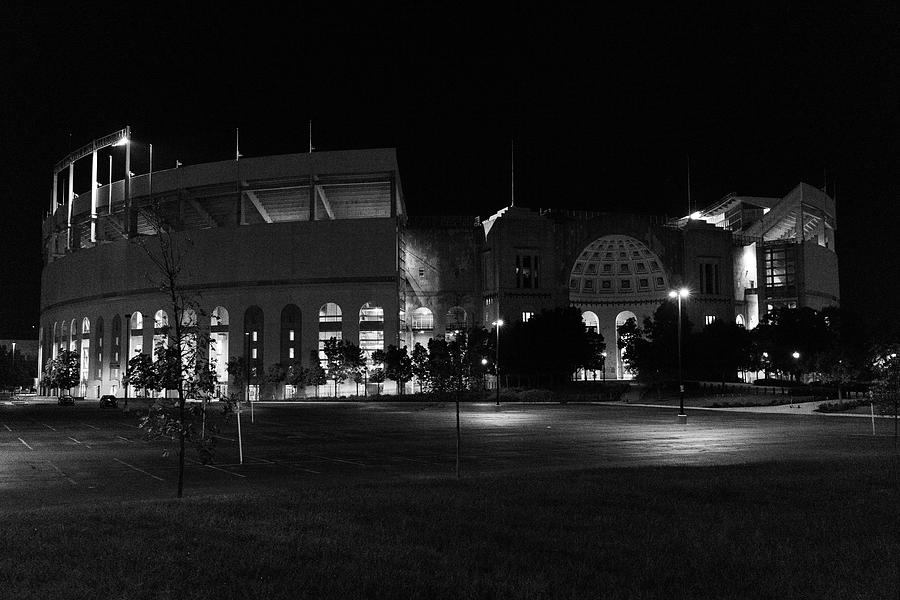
603,354
484,372
498,324
679,294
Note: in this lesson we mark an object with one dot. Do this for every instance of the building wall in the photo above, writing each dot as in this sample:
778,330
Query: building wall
348,262
442,271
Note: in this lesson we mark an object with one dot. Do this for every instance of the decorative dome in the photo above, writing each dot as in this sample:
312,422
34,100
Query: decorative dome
617,265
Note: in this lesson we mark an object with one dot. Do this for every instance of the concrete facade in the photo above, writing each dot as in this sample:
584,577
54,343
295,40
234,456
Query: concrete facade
281,243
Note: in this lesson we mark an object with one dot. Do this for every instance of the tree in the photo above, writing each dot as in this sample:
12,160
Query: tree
63,372
722,349
344,360
315,374
553,342
15,371
885,390
419,365
141,373
782,332
651,351
276,374
296,375
180,363
398,365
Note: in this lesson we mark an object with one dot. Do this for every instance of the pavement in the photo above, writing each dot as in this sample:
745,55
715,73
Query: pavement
61,455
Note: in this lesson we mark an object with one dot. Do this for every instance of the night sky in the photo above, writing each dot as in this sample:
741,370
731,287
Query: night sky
606,108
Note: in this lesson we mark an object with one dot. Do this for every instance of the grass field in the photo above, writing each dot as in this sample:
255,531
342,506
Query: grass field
785,530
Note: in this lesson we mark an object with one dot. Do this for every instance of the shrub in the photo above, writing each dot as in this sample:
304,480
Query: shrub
832,407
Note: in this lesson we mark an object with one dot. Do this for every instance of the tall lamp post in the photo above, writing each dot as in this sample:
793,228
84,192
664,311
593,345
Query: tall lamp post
679,294
498,324
603,354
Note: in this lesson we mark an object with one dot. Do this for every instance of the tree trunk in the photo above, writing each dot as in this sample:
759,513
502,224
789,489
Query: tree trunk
181,443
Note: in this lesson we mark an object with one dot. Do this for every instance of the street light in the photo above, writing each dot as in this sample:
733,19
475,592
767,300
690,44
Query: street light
679,294
499,324
603,354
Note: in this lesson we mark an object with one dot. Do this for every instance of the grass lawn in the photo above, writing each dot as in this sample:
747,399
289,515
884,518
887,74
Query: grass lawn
786,530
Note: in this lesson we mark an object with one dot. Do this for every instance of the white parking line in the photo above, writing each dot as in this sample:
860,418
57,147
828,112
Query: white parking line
123,438
26,444
7,427
349,462
73,439
280,464
224,471
222,437
138,470
91,426
48,427
72,481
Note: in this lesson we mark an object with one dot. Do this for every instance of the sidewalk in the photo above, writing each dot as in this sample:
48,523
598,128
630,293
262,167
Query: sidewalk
798,408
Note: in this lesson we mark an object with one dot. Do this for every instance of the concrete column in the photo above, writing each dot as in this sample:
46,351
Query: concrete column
55,188
71,201
94,197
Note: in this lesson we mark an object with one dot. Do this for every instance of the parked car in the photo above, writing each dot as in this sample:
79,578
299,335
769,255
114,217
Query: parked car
108,400
66,400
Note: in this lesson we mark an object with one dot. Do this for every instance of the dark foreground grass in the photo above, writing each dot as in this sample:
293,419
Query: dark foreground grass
820,530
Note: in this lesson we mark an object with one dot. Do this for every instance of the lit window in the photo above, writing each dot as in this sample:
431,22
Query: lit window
291,336
710,319
526,316
253,353
254,338
290,353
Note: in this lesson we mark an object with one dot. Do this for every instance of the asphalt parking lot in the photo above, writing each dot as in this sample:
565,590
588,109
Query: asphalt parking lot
51,455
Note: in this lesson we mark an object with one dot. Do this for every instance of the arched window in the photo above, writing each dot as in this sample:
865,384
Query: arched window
73,335
85,354
739,320
591,321
136,338
160,331
422,322
371,329
189,340
41,353
422,319
454,321
290,333
330,326
253,336
117,341
55,340
218,342
98,349
621,366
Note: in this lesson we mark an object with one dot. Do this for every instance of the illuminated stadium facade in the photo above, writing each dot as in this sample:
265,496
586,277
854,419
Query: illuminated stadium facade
288,251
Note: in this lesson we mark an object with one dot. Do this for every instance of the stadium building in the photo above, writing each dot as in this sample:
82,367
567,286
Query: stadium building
284,252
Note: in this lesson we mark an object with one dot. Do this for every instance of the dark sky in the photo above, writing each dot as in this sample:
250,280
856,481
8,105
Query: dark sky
605,107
